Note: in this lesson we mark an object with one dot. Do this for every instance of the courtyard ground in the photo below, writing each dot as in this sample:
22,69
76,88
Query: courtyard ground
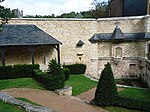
89,95
53,101
40,95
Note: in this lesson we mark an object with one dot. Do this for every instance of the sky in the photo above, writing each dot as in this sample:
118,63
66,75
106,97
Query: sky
48,7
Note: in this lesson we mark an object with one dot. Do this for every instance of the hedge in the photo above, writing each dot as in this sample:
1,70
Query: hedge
53,79
76,68
132,103
66,73
7,72
40,76
17,71
50,82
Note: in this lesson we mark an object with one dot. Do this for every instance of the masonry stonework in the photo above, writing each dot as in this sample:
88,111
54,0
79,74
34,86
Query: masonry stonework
22,55
94,55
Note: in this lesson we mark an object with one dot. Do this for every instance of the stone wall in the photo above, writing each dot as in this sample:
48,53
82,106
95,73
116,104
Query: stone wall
145,71
70,31
128,65
22,55
126,24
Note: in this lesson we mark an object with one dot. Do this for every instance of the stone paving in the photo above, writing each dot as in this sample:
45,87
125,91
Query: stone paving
53,101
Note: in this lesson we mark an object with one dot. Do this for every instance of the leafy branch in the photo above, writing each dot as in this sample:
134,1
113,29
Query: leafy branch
5,15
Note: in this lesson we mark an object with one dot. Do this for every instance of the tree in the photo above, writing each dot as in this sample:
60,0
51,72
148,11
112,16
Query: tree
68,15
5,15
87,14
100,9
1,0
106,91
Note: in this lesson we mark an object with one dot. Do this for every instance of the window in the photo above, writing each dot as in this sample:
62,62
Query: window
132,70
118,52
132,67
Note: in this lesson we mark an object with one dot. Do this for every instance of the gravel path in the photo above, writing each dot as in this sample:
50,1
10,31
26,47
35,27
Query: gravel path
53,101
89,95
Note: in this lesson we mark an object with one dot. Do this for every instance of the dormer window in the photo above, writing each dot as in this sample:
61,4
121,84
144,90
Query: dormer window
80,43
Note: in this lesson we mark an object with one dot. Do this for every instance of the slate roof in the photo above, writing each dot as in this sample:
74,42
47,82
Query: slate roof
25,35
117,35
80,43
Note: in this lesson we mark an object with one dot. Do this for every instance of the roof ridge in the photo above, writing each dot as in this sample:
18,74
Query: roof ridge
117,33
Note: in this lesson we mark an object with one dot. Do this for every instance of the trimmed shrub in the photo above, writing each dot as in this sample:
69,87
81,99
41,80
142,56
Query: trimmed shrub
66,73
76,68
40,76
54,83
132,103
7,72
17,71
54,78
106,91
25,70
50,82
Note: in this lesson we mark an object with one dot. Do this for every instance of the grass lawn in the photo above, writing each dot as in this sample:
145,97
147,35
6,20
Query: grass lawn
118,109
5,107
80,84
20,83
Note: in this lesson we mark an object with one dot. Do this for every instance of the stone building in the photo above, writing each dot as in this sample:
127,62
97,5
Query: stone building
121,8
122,41
17,13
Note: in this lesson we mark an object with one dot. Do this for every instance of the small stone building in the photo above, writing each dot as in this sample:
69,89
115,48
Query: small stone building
122,50
26,44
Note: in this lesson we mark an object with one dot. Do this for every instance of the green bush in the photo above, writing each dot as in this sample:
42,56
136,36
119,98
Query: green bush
66,73
76,68
54,78
54,83
17,71
50,82
40,76
106,94
132,103
6,72
25,70
106,91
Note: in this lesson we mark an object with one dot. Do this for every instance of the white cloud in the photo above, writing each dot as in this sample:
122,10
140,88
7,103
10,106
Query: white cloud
47,7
